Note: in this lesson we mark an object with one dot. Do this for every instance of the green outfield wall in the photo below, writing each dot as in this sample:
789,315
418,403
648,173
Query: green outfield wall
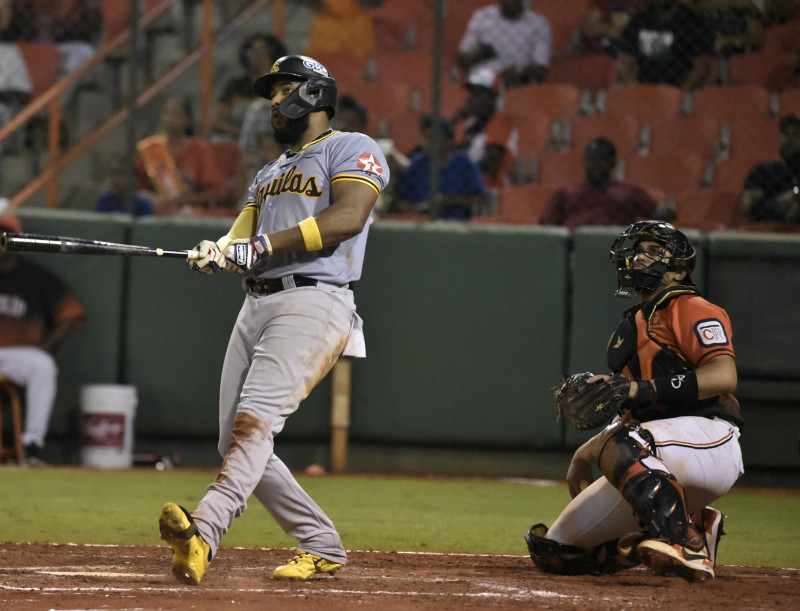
467,327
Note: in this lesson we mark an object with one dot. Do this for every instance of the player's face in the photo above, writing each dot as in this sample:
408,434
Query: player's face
647,253
285,130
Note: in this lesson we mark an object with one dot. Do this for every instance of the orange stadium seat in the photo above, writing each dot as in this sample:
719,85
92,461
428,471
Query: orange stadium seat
772,70
789,102
592,72
644,102
623,131
402,26
347,68
729,103
415,68
669,173
730,174
558,169
535,130
42,61
566,11
519,204
759,137
559,101
707,209
672,135
381,98
784,38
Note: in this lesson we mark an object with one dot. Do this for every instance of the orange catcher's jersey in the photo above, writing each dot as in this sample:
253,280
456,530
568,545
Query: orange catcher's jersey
675,332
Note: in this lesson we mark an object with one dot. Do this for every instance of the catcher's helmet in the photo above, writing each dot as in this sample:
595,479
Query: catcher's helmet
317,92
632,281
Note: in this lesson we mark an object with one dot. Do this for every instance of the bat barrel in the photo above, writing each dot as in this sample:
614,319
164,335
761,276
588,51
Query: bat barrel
28,242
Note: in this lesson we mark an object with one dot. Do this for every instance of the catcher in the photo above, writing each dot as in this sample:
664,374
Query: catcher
671,446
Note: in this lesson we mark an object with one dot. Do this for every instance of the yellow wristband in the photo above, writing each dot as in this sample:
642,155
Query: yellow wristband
310,233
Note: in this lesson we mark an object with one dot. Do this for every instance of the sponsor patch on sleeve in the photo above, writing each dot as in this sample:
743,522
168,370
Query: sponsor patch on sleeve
368,163
710,332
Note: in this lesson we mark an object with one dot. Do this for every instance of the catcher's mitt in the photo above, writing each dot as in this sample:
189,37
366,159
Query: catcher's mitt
586,406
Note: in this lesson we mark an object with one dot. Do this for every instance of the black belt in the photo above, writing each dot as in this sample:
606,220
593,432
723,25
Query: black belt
267,286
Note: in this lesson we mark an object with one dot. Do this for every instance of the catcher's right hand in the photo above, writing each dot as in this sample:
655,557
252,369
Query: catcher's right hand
586,404
206,258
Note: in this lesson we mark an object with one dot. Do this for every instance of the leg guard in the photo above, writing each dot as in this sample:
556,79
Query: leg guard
552,557
654,494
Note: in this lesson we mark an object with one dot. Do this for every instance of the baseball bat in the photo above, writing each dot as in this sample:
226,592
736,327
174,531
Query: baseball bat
31,242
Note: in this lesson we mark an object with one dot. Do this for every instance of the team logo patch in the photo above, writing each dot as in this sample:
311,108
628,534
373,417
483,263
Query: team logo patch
710,332
315,66
368,163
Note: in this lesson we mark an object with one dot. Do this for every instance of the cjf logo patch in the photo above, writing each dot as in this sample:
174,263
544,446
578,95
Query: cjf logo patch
368,163
710,332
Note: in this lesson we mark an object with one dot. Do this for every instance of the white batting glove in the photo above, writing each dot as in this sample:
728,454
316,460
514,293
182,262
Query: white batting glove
206,258
243,255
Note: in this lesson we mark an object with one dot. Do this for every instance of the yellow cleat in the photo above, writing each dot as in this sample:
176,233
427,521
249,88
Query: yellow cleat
304,566
191,555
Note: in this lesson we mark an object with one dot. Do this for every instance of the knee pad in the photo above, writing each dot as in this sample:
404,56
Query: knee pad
626,449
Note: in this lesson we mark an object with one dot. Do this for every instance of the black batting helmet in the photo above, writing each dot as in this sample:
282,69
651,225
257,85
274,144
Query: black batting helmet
317,92
632,281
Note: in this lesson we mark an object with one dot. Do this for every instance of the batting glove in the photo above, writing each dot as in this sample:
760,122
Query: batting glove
206,258
243,255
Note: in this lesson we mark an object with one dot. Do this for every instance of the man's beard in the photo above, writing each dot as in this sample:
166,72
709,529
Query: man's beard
291,132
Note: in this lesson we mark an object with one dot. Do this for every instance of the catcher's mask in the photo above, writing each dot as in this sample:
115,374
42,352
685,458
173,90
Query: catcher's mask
632,281
317,91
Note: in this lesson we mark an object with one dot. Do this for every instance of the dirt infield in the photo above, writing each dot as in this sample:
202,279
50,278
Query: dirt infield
36,577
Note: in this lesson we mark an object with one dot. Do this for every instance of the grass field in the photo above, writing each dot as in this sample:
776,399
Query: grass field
73,505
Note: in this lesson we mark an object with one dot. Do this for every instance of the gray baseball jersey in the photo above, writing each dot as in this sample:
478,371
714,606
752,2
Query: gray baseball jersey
296,186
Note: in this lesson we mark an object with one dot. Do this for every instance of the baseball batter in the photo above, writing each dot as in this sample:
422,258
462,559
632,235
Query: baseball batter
298,242
675,448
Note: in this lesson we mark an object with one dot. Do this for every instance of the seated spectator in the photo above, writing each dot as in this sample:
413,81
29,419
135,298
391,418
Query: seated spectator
341,25
667,42
601,199
37,312
510,40
114,198
737,24
74,26
486,133
177,171
461,192
257,53
771,191
351,116
602,25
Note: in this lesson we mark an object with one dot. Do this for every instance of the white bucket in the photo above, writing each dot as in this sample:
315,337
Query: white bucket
107,412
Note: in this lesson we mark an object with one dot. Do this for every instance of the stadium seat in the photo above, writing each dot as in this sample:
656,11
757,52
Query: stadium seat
381,98
230,160
401,127
672,135
559,101
348,69
707,209
784,38
567,11
535,131
669,173
729,103
772,70
42,61
759,137
519,204
558,169
623,131
789,102
415,68
643,102
730,174
590,72
403,26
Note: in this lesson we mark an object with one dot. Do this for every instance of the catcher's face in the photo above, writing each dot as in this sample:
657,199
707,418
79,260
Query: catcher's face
647,253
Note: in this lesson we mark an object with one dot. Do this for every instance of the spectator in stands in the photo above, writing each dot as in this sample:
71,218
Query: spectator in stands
178,171
114,198
37,312
351,116
772,189
461,191
509,39
74,26
257,53
341,25
737,24
667,42
602,25
485,132
601,199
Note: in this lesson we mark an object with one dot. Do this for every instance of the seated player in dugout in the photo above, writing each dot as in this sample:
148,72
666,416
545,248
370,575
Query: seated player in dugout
674,448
